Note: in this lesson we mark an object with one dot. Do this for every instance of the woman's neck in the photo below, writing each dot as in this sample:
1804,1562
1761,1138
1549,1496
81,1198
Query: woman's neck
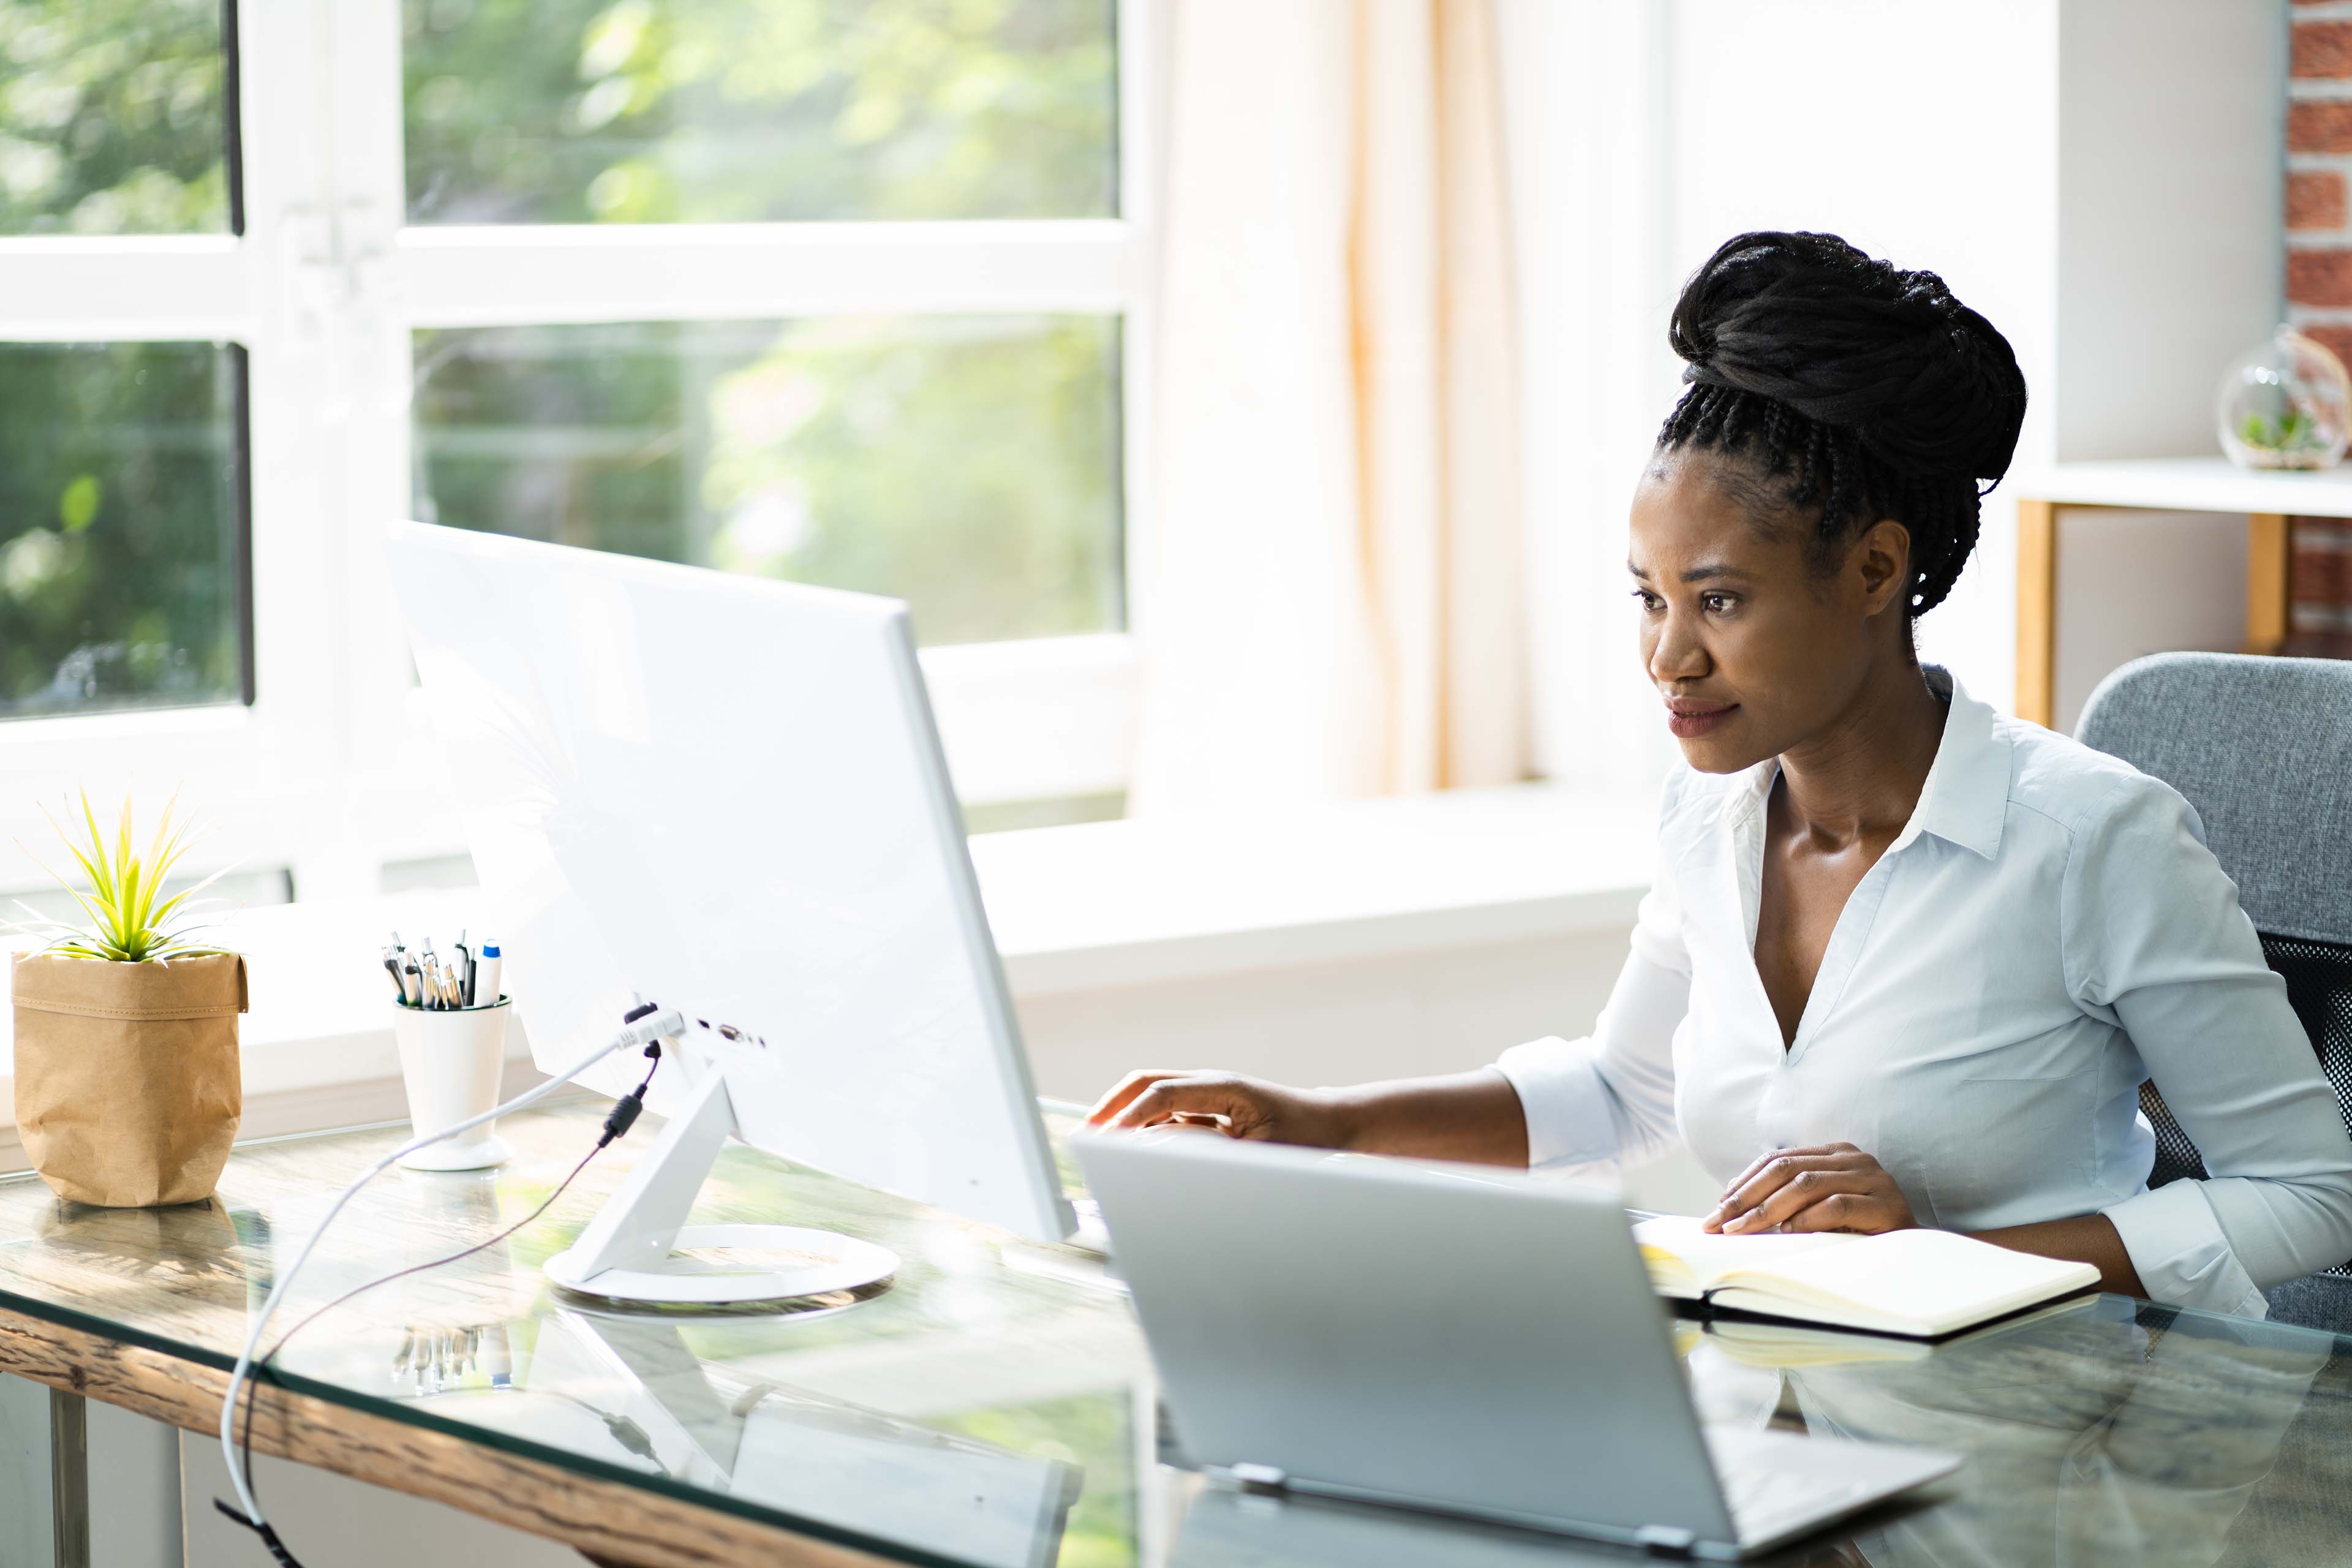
1861,775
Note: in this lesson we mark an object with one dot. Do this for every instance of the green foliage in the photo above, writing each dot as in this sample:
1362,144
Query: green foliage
730,110
967,463
110,117
127,918
118,527
2289,432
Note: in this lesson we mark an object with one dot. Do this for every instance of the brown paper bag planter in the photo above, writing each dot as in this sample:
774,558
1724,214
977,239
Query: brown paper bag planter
127,1091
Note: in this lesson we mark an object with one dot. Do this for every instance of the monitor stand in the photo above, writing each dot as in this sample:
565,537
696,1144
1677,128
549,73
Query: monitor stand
634,1250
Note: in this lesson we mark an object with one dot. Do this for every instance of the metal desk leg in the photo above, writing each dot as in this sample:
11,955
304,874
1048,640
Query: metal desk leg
44,1459
69,1478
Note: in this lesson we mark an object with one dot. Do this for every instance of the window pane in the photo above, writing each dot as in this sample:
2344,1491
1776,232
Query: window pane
121,524
969,465
110,117
740,111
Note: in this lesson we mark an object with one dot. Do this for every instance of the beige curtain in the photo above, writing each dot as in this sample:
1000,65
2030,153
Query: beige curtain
1329,588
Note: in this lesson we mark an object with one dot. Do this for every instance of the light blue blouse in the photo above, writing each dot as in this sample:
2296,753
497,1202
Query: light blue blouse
2047,931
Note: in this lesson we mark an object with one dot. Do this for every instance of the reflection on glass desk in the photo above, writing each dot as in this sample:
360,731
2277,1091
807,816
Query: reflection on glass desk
981,1409
590,1389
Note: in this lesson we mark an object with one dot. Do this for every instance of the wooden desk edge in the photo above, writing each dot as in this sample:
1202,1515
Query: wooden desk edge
609,1521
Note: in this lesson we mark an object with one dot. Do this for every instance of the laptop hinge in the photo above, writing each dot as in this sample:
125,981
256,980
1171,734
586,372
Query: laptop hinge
1259,1478
1666,1539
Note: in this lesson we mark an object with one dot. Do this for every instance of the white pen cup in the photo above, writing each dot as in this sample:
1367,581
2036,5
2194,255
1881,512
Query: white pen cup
450,1063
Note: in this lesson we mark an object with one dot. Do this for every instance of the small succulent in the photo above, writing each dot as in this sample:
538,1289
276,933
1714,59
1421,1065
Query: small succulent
126,918
2284,433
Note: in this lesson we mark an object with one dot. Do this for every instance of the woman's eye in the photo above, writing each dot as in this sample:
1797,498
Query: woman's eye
1646,599
1715,604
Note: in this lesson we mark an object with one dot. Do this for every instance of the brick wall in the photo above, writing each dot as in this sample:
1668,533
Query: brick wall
2319,286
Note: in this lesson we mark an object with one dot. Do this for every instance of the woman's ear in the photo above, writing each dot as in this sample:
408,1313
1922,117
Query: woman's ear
1882,557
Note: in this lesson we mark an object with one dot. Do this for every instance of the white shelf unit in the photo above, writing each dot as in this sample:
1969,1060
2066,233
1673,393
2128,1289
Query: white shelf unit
2266,499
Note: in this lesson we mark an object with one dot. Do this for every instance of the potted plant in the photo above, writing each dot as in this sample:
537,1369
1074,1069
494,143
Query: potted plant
128,1089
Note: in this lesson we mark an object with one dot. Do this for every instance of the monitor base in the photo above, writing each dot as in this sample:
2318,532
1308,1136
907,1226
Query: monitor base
821,1262
640,1249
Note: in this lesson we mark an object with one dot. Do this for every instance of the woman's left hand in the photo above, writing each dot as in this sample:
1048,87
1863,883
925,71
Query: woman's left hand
1831,1186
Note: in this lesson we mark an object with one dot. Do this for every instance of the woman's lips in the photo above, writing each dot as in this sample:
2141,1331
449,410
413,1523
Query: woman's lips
1689,720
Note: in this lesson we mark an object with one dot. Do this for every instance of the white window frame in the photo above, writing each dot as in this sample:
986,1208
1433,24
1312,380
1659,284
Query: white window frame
328,772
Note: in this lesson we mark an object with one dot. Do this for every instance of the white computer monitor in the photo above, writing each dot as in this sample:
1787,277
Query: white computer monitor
726,794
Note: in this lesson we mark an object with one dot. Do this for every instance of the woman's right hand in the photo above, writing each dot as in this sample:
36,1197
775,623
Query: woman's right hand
1239,1107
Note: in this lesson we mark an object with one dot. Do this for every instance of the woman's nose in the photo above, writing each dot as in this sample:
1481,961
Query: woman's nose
1676,655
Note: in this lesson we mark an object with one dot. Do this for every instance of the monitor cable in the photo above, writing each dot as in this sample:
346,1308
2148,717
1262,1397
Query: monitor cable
645,1026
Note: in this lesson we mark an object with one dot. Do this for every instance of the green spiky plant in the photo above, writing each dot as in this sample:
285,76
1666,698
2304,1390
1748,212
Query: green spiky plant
126,918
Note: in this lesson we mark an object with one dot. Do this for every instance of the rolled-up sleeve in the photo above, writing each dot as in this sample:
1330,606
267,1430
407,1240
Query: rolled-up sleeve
2156,943
1611,1096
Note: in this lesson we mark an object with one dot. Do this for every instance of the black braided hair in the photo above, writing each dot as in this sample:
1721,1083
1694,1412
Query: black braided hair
1865,391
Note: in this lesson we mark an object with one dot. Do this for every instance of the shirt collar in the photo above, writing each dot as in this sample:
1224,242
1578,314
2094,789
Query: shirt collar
1966,798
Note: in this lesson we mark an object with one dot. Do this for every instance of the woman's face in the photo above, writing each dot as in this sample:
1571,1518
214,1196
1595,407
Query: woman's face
1752,650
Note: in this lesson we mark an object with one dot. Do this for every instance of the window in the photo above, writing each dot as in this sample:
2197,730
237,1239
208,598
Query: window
967,463
750,110
124,573
849,292
112,118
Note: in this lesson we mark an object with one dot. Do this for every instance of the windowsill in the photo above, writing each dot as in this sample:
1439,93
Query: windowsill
1088,907
1135,902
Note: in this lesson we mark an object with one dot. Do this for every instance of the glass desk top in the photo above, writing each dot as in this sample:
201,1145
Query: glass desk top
994,1405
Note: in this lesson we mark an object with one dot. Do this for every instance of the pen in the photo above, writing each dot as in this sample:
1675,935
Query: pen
468,978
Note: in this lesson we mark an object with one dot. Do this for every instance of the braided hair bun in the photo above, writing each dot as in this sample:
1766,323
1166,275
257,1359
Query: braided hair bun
1871,389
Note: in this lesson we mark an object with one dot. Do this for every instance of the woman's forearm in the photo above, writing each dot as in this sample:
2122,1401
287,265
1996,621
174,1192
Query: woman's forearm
1472,1116
2087,1239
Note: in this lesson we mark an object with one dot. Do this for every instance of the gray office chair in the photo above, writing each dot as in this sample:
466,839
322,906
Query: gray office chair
2263,749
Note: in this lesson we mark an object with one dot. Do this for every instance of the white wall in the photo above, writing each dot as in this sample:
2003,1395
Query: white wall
2171,213
1328,1023
2136,582
1445,1011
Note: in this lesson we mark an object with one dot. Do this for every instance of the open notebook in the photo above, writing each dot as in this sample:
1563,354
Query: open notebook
1923,1284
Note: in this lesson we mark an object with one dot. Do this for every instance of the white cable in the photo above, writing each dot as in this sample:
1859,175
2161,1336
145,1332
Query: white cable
643,1032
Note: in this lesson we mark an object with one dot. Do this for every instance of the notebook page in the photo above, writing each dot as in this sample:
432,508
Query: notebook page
1928,1282
1707,1254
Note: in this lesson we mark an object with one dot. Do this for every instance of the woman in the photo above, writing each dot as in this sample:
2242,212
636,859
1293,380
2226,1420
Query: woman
1906,962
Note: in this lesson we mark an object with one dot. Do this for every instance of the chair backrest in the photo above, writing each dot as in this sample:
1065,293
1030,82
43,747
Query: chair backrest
2263,749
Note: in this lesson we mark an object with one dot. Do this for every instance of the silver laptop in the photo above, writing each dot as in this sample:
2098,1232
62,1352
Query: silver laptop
1448,1337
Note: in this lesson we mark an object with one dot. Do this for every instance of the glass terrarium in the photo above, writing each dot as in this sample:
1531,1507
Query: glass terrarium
2286,404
